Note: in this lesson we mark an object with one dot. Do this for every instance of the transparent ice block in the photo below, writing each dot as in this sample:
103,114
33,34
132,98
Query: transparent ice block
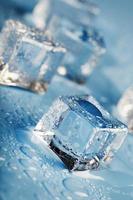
28,59
81,132
83,42
84,48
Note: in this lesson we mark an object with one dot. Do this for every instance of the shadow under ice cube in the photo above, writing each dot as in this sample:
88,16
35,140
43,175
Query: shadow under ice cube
81,132
28,59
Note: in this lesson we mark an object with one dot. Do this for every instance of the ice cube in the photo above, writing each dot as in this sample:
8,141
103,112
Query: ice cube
81,132
28,59
84,44
84,48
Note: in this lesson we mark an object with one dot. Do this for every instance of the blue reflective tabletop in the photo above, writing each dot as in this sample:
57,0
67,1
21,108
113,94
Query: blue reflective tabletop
31,171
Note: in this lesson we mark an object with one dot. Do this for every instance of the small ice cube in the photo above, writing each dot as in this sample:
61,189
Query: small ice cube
28,59
84,47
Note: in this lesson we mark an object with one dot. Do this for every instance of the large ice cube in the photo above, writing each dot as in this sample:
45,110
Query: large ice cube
28,58
81,132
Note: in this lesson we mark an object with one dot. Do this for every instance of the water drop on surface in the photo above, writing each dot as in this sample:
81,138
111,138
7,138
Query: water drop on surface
27,151
2,159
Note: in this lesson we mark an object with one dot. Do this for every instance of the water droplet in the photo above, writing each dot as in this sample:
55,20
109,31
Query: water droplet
73,184
30,174
81,194
2,160
27,151
12,165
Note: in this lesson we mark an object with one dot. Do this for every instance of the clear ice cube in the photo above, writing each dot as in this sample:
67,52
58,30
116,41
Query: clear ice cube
81,132
84,48
28,59
83,43
125,108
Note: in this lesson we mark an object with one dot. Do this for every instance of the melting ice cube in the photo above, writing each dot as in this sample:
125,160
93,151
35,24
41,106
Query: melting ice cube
28,58
68,22
81,132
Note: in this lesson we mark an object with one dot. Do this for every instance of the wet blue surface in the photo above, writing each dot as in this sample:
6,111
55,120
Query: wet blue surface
28,169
